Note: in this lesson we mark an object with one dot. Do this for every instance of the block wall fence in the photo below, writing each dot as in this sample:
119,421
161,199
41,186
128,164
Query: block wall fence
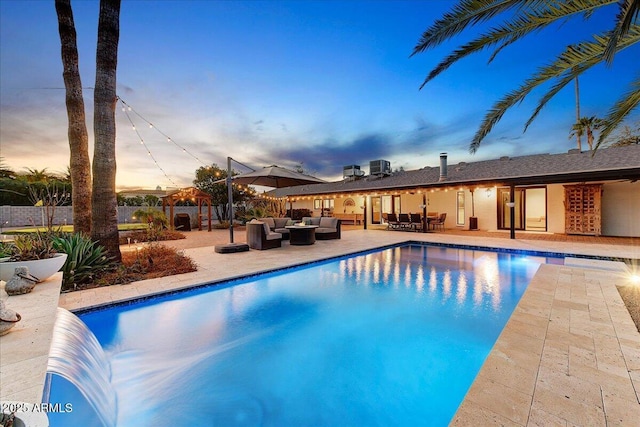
25,216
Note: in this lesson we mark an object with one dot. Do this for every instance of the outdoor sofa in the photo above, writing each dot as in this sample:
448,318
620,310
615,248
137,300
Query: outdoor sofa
260,236
278,225
328,227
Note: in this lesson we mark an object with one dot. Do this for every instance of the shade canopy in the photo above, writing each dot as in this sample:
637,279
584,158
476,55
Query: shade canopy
275,176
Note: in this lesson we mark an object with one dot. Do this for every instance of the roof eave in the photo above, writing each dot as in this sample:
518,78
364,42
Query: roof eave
559,178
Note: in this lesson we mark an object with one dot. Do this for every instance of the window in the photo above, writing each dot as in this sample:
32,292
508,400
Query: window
317,204
460,208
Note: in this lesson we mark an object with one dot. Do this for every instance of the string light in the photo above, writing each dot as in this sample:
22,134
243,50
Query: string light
147,148
126,108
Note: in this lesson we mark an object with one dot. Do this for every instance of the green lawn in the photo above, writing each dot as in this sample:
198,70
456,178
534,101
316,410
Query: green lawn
69,228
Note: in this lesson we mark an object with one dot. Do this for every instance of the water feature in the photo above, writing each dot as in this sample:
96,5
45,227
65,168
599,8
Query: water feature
77,356
392,337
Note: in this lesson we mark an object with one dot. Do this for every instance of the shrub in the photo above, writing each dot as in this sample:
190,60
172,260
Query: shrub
143,236
245,215
85,260
32,246
300,213
221,225
156,220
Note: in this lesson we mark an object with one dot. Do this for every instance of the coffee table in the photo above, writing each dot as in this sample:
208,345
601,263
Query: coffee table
302,234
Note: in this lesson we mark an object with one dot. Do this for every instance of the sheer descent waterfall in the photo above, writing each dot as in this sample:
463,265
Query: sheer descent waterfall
77,356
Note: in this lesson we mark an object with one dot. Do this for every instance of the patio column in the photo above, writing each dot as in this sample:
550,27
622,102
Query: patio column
512,210
365,211
425,222
230,199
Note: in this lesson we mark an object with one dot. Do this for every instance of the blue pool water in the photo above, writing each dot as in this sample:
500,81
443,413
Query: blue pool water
393,337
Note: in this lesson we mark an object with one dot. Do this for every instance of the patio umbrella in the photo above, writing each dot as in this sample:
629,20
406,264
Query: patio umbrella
276,177
270,176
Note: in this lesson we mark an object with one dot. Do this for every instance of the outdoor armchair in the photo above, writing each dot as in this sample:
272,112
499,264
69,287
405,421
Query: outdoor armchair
260,236
328,228
416,221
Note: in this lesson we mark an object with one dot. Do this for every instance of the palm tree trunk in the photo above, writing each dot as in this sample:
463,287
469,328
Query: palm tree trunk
579,133
79,164
590,138
105,216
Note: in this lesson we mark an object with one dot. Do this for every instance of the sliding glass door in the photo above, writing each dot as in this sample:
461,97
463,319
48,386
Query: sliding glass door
376,210
529,210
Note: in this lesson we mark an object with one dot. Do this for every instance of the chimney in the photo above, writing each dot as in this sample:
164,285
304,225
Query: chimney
443,167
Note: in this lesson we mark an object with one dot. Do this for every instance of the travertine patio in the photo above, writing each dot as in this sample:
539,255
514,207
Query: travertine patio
570,354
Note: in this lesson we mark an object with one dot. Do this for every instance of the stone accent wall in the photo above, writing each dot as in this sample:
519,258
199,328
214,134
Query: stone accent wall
26,216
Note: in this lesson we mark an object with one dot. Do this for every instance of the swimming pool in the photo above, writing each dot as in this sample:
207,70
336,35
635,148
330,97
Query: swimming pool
390,337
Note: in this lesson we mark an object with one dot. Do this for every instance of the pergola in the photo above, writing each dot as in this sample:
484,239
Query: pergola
192,194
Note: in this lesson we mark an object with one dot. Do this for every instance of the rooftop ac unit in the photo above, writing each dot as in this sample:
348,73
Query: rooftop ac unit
352,171
379,167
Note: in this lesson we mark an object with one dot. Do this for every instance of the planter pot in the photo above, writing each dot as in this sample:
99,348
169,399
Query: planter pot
42,269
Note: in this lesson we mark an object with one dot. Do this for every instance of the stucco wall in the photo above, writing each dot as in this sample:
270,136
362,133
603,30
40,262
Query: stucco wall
485,208
555,208
621,209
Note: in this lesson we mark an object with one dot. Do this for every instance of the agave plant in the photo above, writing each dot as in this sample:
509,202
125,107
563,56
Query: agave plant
85,259
6,250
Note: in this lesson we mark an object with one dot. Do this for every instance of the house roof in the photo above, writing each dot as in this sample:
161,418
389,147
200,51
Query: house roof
572,166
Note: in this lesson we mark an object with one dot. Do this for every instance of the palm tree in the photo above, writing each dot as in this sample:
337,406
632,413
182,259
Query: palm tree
586,125
66,175
104,226
6,171
80,166
522,18
628,135
36,175
578,134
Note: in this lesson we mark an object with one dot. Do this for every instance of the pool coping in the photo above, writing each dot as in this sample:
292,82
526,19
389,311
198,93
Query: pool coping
569,355
24,351
552,285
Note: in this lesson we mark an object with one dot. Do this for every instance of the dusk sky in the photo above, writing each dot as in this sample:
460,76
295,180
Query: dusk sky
322,83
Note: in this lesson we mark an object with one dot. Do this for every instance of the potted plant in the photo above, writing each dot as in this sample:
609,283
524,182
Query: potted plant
34,251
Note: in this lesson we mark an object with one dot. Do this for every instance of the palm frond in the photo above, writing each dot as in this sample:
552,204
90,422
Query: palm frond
526,22
627,15
493,116
619,111
555,12
572,62
584,56
463,15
